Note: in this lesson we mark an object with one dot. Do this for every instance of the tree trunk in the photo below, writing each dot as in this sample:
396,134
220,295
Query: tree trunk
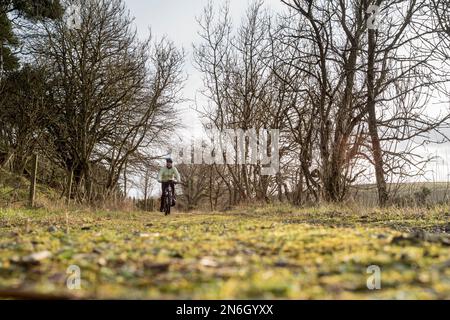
69,186
19,162
373,130
1,60
125,181
33,181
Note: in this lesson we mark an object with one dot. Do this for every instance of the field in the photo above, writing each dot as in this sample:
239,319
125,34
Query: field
273,252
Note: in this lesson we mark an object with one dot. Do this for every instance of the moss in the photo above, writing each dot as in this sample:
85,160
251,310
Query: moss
258,252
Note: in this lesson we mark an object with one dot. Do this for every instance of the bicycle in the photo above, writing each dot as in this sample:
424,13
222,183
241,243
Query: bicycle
168,198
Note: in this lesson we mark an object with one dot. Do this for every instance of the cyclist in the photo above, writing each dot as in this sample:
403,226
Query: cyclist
168,176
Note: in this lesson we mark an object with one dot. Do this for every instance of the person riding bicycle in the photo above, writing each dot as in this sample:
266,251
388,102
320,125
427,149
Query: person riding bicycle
168,176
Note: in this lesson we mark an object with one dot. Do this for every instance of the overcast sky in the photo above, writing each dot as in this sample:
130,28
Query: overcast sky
176,19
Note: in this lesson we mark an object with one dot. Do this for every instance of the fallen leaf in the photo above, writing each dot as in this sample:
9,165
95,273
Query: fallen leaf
102,262
144,235
34,258
209,262
148,235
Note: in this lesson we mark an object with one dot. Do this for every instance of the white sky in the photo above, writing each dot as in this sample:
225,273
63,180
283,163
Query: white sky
176,19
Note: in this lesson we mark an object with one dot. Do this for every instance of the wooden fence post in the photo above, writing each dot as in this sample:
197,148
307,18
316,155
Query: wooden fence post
69,187
33,181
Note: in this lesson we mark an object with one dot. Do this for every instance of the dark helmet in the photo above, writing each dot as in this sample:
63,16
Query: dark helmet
169,160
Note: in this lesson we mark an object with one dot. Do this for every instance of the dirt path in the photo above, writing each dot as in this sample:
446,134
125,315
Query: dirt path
237,255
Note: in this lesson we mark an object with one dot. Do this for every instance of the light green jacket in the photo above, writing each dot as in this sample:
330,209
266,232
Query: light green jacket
166,174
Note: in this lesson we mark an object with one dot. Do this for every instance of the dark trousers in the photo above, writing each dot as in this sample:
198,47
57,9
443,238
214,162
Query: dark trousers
165,185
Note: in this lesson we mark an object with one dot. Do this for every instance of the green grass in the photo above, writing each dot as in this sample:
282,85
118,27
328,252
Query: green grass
272,252
15,190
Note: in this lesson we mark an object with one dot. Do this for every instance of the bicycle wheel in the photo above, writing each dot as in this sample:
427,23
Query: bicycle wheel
167,206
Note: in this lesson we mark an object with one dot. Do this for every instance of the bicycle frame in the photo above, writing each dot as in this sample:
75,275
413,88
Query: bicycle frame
168,197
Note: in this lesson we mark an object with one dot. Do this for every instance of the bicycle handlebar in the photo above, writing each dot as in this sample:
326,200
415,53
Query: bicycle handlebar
173,181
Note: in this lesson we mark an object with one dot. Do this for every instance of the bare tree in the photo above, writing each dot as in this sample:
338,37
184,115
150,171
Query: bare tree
112,94
243,91
22,121
355,91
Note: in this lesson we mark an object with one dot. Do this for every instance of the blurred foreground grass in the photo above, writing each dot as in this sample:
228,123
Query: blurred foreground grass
272,252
